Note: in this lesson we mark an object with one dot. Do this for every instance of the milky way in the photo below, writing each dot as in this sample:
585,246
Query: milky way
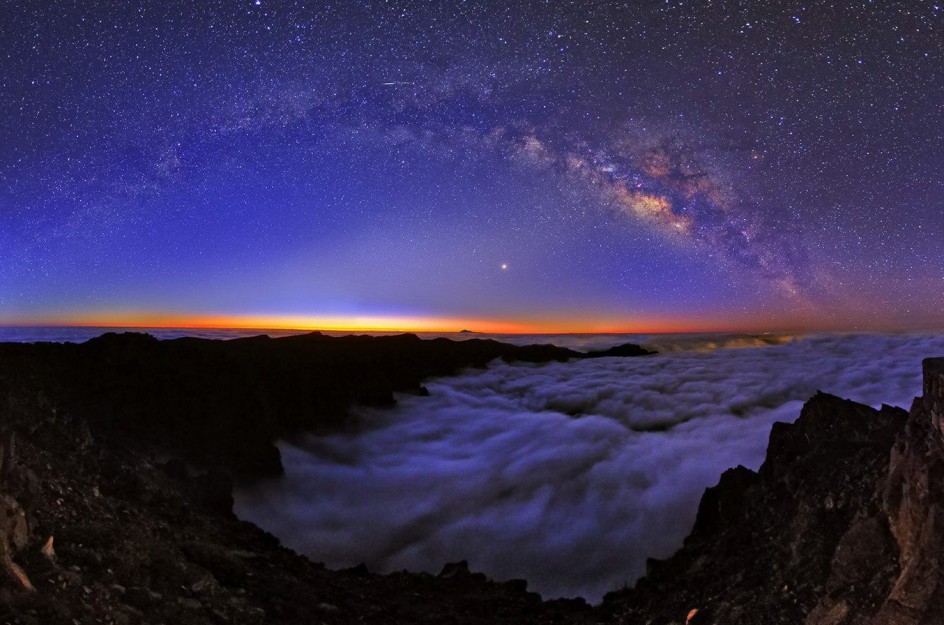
700,165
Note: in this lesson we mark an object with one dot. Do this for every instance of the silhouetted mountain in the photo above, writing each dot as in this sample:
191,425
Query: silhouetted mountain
224,403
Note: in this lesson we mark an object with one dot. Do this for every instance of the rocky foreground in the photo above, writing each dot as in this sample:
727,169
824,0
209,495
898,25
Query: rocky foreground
117,459
842,524
109,514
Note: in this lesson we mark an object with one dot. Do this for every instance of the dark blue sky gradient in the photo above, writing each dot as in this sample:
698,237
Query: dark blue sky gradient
634,165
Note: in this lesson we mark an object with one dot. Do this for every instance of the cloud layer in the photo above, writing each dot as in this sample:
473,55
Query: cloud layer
568,475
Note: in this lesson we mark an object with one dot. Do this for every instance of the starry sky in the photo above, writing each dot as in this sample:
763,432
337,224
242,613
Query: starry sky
501,166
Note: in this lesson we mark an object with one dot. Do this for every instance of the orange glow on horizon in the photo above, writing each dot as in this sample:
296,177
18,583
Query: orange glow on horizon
569,325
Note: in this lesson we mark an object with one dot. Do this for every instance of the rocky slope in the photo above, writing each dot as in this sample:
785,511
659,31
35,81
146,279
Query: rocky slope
843,524
101,522
92,531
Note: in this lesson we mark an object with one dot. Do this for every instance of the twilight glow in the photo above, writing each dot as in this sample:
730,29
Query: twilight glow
522,167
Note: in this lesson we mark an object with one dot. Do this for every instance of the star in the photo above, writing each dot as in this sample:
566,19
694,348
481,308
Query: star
687,159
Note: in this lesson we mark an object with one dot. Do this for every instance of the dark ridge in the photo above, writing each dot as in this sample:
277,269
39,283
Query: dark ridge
620,351
224,403
842,525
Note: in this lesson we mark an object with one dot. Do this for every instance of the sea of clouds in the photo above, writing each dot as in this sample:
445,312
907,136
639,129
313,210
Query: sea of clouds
567,474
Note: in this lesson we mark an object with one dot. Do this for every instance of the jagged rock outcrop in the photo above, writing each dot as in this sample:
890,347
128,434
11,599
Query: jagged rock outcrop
914,502
14,525
763,544
842,525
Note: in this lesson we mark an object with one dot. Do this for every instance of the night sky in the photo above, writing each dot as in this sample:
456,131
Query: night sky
517,166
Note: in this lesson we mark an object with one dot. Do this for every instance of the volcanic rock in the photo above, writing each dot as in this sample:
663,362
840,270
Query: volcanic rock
842,525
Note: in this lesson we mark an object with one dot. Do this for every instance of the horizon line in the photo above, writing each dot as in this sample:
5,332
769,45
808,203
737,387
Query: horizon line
493,328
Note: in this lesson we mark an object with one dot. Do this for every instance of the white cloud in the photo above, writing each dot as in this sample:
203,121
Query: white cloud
491,467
